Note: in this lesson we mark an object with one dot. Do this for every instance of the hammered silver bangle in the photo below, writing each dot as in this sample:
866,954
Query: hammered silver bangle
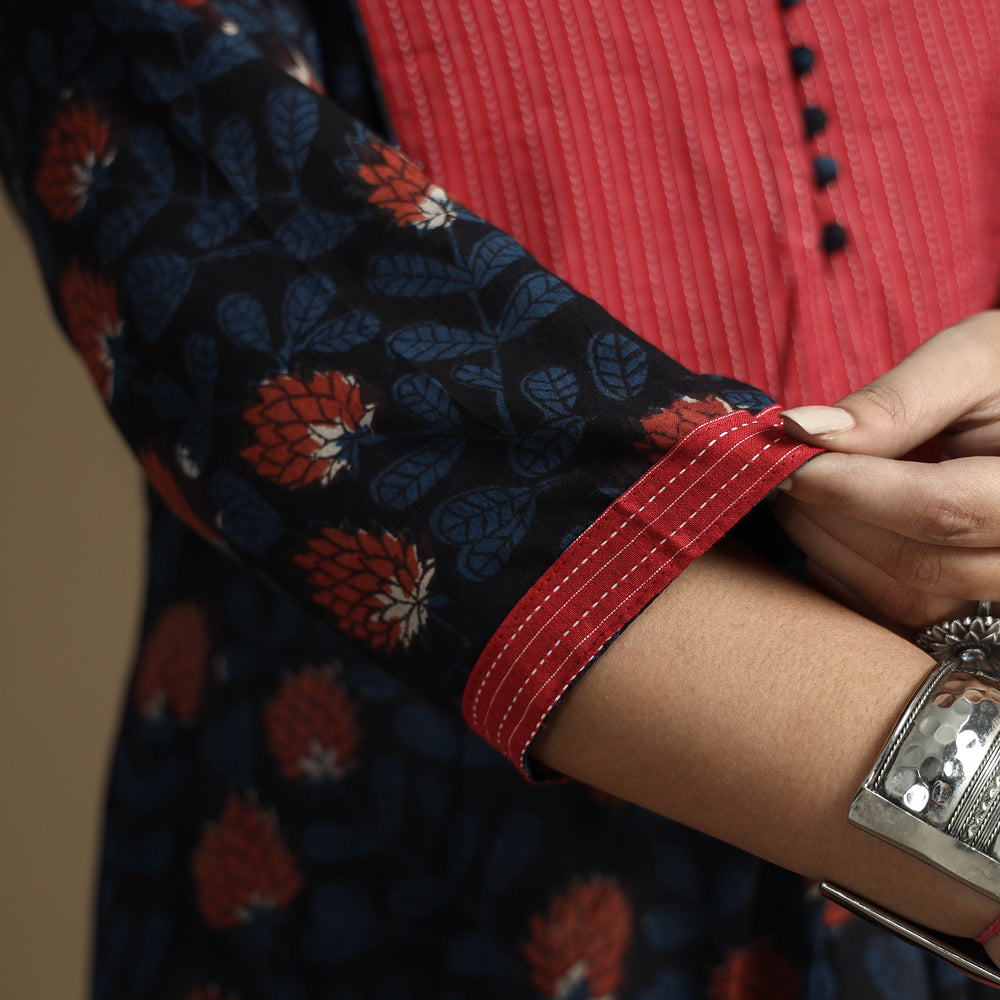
935,788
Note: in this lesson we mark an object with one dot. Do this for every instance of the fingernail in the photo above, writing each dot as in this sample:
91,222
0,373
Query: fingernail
818,421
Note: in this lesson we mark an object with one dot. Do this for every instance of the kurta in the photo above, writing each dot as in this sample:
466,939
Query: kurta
417,480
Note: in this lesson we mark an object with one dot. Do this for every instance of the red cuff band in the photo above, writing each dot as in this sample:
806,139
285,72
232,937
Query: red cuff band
680,508
990,932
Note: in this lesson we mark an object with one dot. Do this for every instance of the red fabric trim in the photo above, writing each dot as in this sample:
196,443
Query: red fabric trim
990,932
677,511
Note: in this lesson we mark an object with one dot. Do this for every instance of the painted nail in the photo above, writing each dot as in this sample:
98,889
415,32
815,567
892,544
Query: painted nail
818,421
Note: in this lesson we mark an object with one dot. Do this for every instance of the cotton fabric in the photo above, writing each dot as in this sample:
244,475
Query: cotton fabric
379,425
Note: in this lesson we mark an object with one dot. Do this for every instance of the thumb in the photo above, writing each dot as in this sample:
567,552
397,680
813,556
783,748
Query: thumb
943,380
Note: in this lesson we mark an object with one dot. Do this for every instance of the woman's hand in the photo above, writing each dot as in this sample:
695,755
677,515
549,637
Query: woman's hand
906,543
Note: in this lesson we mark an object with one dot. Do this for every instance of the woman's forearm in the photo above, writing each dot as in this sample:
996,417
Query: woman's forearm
744,704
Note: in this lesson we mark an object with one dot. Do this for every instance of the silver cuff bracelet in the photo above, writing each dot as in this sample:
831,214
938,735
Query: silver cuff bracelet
935,789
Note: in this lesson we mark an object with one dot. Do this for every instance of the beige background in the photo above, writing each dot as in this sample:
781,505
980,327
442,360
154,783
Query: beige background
70,584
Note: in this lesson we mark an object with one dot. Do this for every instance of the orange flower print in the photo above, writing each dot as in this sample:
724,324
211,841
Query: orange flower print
302,427
76,148
834,915
295,64
374,584
582,939
311,725
759,972
242,867
162,479
399,188
173,663
90,310
667,426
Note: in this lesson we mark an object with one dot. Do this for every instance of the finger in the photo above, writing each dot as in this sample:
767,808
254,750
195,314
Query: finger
873,587
949,380
955,503
969,574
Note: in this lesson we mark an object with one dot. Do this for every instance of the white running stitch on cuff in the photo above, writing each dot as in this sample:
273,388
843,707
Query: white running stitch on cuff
513,730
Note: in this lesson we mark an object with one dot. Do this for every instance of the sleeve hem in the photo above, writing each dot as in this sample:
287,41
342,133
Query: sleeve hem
672,515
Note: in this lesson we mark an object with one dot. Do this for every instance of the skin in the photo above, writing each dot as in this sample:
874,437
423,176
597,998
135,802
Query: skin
777,707
780,703
909,543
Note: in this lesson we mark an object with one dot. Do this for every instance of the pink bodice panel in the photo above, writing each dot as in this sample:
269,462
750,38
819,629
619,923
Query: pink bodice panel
655,155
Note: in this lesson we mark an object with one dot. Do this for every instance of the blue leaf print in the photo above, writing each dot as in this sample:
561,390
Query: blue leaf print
160,83
236,153
478,514
118,229
547,447
552,390
216,220
735,882
513,848
306,300
149,950
343,333
672,925
149,146
168,399
673,984
249,521
103,74
434,342
144,15
412,277
228,746
433,794
677,871
741,397
416,897
478,955
150,789
491,255
427,399
222,53
241,317
389,787
422,730
343,923
534,297
201,355
486,378
486,524
293,119
403,482
145,854
463,843
618,365
310,234
286,21
77,40
41,60
335,844
194,443
249,16
156,284
896,968
822,983
372,683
